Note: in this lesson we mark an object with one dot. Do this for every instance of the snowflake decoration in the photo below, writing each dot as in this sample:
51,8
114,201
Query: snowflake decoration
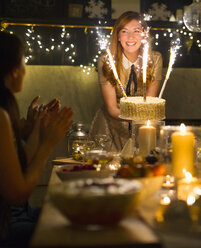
159,12
96,9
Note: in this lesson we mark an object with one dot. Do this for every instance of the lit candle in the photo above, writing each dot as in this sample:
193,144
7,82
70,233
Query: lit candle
168,182
165,200
186,186
183,143
147,139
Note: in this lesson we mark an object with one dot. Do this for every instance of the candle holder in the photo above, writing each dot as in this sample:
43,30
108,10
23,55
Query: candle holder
187,150
146,136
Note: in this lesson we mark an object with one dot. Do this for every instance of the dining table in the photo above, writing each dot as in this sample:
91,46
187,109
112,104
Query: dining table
138,230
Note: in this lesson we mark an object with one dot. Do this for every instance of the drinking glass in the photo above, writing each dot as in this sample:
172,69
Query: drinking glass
101,141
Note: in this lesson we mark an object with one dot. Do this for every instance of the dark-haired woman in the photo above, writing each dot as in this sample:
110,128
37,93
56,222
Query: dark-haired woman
21,166
126,46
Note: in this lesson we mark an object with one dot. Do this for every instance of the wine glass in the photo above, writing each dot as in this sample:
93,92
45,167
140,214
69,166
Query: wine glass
101,140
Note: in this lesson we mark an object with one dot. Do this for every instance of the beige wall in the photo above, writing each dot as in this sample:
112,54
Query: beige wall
74,88
68,83
120,6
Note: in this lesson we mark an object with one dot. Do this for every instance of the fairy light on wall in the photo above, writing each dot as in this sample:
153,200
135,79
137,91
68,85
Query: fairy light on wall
33,38
64,41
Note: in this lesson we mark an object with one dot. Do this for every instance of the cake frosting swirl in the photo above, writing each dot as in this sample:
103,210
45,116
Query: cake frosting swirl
137,109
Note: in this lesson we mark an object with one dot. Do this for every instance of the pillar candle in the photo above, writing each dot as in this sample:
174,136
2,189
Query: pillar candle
147,139
183,143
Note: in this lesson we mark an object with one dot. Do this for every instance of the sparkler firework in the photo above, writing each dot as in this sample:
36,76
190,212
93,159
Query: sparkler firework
173,54
115,71
145,59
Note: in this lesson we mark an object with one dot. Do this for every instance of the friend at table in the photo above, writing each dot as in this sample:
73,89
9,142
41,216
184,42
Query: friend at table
21,166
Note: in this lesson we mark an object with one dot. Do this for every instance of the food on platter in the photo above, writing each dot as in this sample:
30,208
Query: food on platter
138,166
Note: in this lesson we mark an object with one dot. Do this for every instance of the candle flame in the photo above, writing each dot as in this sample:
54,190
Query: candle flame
165,200
182,128
148,123
190,200
115,71
197,191
188,176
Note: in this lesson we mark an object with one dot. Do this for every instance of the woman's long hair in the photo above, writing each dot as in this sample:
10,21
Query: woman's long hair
11,53
115,45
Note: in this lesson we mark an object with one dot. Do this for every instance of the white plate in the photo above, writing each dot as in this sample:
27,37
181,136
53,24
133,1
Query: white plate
70,175
132,119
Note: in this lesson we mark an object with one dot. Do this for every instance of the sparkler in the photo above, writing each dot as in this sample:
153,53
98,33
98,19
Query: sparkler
115,71
145,59
173,54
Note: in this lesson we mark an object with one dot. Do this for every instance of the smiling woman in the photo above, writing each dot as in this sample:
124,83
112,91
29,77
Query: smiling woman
127,43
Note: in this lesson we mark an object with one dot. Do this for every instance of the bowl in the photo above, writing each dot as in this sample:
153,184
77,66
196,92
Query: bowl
101,157
70,172
96,202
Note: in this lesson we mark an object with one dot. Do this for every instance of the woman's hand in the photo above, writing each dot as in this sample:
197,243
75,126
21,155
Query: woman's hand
109,97
34,111
54,129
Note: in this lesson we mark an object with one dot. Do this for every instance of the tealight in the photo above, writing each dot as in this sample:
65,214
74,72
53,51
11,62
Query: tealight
168,182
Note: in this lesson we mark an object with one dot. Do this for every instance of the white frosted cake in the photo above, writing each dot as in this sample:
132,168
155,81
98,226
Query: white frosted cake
137,109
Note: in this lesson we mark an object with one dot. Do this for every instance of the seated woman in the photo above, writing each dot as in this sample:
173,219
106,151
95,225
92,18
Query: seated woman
21,166
126,46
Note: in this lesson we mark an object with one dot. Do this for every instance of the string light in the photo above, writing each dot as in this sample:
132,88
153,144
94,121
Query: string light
34,39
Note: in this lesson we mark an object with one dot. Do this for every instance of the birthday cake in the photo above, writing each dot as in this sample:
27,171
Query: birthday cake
137,109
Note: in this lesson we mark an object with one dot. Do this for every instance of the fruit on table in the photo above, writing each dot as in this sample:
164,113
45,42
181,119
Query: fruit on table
137,166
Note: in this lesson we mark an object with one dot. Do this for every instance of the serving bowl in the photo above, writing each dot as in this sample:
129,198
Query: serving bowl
100,157
99,202
70,172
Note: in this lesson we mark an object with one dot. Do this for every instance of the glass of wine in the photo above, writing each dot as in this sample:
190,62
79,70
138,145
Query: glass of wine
101,141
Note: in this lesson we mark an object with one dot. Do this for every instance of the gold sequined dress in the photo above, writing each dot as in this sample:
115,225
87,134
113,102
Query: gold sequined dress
103,123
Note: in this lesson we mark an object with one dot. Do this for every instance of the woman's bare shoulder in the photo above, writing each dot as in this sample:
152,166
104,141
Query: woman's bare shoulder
4,117
3,113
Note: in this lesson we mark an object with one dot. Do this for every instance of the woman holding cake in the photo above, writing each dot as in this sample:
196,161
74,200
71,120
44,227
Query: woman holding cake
127,48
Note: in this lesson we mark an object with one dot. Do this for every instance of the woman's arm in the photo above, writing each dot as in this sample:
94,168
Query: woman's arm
109,97
16,186
108,91
152,90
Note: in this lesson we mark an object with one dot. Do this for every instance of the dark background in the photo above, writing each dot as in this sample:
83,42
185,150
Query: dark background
74,12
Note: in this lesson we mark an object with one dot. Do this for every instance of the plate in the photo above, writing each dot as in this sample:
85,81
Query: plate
64,173
60,161
131,119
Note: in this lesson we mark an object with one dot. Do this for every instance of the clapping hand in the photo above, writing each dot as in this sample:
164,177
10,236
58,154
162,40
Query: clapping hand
52,130
36,111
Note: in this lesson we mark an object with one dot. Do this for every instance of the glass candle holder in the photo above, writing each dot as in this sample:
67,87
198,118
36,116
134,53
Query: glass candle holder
181,150
80,147
146,136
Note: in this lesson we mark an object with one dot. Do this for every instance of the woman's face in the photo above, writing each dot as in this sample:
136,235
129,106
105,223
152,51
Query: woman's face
18,77
130,37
